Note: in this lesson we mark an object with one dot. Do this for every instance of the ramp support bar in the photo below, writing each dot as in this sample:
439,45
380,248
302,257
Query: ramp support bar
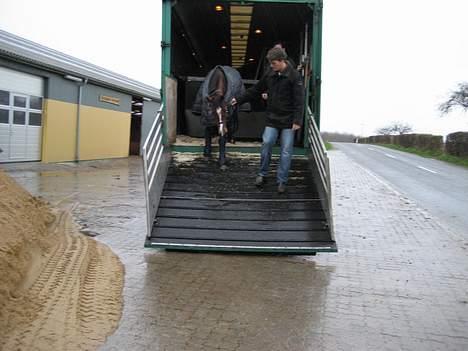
155,164
318,156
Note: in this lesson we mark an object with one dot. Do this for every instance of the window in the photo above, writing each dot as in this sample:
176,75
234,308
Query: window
35,103
19,101
4,116
35,119
4,97
19,117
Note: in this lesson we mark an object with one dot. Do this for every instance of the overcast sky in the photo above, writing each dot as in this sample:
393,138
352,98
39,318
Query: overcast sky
383,60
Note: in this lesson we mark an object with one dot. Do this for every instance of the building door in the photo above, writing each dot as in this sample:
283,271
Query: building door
20,116
135,125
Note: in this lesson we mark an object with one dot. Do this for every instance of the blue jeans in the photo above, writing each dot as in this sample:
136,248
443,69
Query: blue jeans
287,144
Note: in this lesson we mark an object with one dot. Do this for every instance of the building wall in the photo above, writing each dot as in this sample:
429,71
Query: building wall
105,127
104,133
59,131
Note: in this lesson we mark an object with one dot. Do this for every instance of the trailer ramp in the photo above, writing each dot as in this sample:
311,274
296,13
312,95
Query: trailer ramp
205,208
197,206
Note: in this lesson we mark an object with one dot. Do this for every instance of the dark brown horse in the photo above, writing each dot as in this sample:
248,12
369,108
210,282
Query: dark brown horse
218,117
218,111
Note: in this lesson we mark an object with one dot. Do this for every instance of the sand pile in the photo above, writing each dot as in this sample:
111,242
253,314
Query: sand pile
59,290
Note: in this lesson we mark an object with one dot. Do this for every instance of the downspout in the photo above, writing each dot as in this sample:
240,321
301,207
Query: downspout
80,82
78,124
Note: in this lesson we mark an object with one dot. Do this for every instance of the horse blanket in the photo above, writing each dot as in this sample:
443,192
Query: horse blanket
234,88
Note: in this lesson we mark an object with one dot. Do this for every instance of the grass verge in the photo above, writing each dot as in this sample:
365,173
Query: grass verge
438,155
328,146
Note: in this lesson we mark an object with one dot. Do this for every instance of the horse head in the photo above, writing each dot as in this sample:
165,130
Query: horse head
217,114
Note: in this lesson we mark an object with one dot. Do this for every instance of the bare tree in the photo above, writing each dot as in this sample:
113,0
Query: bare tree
395,128
458,98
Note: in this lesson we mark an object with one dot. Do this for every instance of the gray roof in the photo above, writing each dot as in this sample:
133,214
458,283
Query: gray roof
26,51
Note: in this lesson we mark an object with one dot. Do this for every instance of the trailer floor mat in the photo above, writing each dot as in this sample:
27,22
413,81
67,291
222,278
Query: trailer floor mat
205,208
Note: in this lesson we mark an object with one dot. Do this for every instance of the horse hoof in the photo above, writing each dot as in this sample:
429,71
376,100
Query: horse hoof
224,167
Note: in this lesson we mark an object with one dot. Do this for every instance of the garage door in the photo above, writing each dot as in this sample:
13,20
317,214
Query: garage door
21,100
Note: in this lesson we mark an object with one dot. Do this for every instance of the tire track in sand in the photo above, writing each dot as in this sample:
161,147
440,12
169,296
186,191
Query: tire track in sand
75,302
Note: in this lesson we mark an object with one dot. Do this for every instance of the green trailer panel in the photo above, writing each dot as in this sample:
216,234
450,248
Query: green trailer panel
191,203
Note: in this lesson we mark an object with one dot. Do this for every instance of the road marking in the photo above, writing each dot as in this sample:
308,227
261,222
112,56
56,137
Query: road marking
388,155
371,149
427,169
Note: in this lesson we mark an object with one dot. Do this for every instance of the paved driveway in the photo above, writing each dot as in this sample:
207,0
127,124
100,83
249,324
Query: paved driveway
398,282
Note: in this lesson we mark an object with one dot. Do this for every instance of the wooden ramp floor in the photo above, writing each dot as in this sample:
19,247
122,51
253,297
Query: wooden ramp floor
205,208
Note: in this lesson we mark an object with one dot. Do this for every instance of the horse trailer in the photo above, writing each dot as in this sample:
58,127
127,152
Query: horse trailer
192,204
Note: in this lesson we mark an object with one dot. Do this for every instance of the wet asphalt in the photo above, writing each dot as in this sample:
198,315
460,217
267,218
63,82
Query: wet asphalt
439,187
398,282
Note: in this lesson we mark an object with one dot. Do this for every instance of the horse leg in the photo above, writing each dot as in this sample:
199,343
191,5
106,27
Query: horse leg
207,148
222,152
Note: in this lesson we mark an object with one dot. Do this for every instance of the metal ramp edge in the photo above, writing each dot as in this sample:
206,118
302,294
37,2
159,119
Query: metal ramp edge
292,250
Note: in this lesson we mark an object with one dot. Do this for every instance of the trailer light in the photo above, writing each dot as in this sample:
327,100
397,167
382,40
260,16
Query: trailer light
258,31
251,59
224,47
218,8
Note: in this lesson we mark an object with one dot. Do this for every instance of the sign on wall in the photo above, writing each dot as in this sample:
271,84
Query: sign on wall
109,99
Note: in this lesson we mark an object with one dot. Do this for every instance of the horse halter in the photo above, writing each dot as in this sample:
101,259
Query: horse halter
220,121
216,98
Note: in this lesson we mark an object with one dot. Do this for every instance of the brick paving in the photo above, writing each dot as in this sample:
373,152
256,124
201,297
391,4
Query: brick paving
398,282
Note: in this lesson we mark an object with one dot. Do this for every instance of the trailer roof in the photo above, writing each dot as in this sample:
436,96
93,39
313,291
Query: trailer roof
282,1
239,33
29,52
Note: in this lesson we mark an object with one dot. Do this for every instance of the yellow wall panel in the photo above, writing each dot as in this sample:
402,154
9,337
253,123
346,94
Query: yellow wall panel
59,131
103,133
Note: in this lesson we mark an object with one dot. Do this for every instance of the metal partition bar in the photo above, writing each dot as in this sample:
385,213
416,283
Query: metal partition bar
153,168
319,151
154,151
322,165
319,159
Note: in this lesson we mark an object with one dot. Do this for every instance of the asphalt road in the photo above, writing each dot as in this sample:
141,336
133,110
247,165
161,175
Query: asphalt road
436,186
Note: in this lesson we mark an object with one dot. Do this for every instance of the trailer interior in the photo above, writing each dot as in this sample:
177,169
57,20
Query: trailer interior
208,33
191,203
